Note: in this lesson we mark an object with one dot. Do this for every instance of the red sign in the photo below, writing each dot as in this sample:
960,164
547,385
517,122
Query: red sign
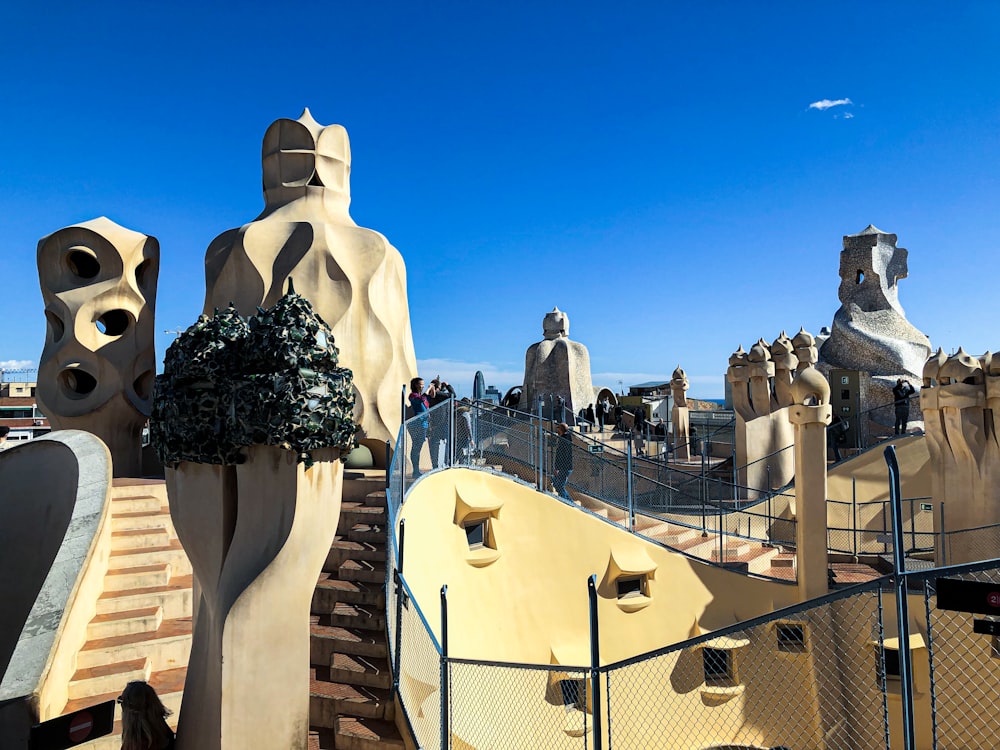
994,598
80,726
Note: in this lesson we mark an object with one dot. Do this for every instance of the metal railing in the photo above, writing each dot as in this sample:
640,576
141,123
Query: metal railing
825,673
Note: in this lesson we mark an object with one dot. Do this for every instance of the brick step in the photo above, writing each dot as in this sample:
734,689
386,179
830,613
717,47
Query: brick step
330,591
359,670
146,519
327,640
344,549
367,571
136,504
365,533
359,733
110,624
107,677
329,700
357,617
678,535
174,598
362,487
355,513
172,553
167,647
731,550
139,539
141,576
699,546
759,558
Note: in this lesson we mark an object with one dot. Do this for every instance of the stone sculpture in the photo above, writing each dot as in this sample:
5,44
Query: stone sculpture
250,420
870,331
354,278
762,394
679,415
960,400
810,413
96,371
557,367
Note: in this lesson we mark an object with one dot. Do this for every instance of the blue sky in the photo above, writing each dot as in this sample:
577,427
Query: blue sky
653,169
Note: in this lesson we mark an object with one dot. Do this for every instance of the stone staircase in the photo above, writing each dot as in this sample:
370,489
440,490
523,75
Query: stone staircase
142,629
350,689
739,554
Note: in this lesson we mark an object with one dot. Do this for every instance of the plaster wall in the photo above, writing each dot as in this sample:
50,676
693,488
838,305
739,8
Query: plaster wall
54,531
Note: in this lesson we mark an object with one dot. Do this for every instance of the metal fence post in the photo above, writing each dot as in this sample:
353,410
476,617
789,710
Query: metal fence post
595,661
944,538
399,606
902,605
541,445
854,514
445,697
628,485
388,466
736,493
451,431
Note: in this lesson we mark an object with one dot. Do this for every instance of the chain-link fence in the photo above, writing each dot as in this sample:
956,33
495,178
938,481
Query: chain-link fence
957,669
822,674
514,706
803,677
826,673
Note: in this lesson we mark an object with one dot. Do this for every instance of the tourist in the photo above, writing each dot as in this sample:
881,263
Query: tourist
838,434
901,397
439,421
563,464
144,719
419,403
639,425
602,413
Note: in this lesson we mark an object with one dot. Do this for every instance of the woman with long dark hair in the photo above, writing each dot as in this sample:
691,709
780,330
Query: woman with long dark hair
144,719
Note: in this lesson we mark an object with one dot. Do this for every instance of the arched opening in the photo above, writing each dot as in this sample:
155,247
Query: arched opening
83,263
113,322
77,383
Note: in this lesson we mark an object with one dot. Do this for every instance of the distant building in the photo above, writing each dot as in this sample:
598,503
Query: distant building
19,410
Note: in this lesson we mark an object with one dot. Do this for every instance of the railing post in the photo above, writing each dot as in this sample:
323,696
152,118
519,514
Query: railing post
400,593
595,661
854,514
944,538
628,485
445,697
541,445
902,605
388,465
736,493
451,431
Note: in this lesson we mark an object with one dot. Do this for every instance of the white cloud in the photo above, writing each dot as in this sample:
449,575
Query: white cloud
16,364
823,104
848,115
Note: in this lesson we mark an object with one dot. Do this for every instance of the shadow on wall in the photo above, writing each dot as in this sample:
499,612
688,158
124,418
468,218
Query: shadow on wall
39,480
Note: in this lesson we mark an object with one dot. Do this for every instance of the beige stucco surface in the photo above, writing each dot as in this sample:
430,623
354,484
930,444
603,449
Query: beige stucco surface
96,371
533,598
352,276
54,533
257,535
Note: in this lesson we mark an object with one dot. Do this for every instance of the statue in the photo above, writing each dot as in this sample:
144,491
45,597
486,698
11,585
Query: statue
250,420
354,278
557,366
680,417
870,330
96,371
